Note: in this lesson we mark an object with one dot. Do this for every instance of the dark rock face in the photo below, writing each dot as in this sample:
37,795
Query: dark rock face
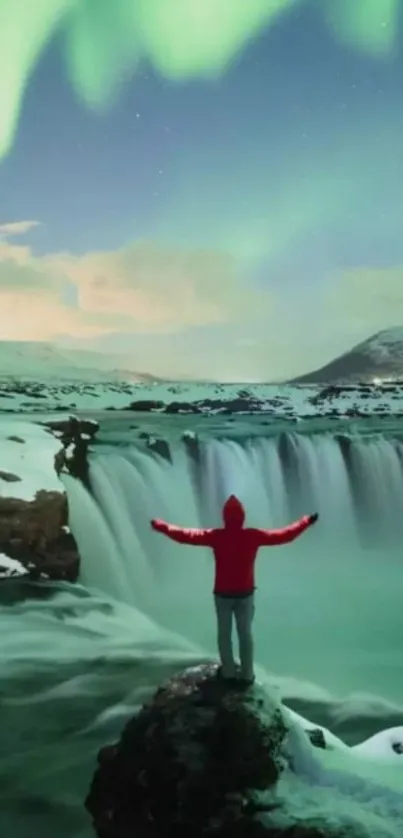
8,477
190,764
192,445
76,436
317,738
161,447
239,404
182,407
69,429
145,405
35,533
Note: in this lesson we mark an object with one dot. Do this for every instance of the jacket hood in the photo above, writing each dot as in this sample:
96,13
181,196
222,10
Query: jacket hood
233,512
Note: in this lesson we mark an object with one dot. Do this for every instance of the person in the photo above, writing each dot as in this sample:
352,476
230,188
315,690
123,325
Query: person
235,549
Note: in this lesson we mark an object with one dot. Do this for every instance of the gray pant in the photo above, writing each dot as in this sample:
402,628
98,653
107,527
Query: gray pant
243,610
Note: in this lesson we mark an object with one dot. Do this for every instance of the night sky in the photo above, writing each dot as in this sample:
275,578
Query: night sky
214,188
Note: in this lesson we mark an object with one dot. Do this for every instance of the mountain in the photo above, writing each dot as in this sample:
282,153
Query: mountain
32,359
381,356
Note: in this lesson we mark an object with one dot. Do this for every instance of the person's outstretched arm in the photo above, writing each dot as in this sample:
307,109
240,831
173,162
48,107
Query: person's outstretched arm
184,535
267,538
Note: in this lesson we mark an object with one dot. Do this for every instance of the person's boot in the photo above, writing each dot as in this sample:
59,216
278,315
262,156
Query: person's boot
245,683
230,681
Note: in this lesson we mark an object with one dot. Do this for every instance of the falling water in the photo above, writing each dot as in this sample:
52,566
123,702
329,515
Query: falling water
326,591
377,476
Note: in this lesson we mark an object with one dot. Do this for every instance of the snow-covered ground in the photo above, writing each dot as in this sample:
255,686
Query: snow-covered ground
297,402
27,452
11,567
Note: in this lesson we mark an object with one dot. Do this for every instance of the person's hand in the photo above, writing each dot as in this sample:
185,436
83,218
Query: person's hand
155,524
313,518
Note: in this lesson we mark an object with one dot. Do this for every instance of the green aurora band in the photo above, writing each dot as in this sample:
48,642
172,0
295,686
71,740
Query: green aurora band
105,40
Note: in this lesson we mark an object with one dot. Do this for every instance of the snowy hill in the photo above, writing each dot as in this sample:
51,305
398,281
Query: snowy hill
381,356
38,360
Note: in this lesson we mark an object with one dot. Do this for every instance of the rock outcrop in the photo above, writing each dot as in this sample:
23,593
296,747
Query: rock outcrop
191,763
35,533
203,760
76,436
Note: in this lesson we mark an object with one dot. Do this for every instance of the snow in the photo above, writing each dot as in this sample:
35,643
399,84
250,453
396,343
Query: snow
338,787
378,748
387,745
294,403
384,346
31,461
11,567
352,780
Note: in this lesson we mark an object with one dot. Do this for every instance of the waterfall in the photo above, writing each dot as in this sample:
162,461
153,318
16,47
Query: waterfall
325,589
328,613
377,475
328,609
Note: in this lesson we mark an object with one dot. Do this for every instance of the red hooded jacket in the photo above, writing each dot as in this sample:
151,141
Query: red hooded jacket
235,546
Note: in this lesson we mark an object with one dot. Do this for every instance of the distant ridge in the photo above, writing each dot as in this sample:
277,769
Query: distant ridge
380,356
41,360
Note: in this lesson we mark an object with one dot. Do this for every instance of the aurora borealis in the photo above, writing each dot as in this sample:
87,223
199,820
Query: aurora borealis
209,184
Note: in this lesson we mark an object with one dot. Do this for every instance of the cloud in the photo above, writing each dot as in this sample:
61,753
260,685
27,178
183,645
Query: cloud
178,311
17,228
144,288
163,288
20,270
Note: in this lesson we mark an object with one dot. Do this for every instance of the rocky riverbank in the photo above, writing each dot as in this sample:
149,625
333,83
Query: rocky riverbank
34,527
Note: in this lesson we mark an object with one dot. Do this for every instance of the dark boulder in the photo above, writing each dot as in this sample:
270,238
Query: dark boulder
160,447
35,533
317,737
190,764
9,477
240,404
192,445
68,430
182,407
145,405
76,436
